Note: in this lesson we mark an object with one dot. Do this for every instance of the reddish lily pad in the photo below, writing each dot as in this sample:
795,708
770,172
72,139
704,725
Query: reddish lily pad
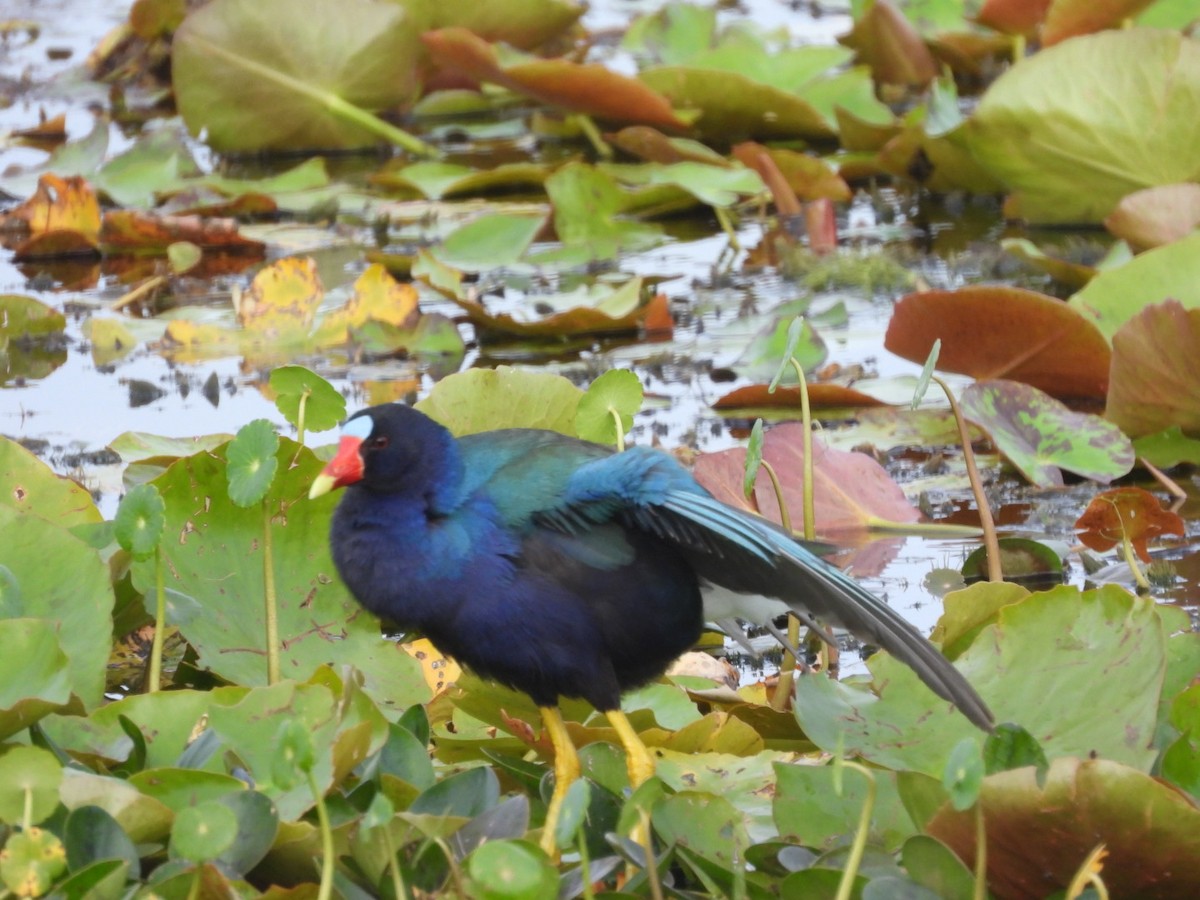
891,46
1157,215
1013,16
524,24
758,396
1002,332
590,89
129,231
1156,372
1128,513
1040,436
851,491
1038,836
1069,18
1076,127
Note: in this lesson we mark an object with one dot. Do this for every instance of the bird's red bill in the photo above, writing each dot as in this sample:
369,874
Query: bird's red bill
346,467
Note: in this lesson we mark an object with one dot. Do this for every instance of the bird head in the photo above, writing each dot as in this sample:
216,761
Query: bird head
390,449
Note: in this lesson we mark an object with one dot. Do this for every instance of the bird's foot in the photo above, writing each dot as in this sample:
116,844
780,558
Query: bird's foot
566,772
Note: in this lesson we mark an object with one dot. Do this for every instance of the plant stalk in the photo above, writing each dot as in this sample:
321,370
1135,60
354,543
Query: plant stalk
160,622
272,612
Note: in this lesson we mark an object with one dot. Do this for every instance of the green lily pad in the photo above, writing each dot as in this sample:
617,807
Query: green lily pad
492,241
1077,126
32,486
215,575
1168,448
281,74
1040,436
63,582
1117,295
504,397
1038,665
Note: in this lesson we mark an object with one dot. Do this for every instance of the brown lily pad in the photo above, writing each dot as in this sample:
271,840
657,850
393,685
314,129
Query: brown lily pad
820,396
891,46
1069,18
1002,332
1156,371
590,88
1037,837
129,231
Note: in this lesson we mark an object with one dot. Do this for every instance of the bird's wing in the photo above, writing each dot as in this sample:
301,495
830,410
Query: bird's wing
748,556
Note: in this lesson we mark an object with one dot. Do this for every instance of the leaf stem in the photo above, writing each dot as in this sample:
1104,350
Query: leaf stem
990,541
980,892
619,429
810,512
160,623
1131,560
272,612
393,863
326,889
854,860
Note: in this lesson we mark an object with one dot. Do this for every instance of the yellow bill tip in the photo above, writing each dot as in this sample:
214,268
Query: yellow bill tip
321,486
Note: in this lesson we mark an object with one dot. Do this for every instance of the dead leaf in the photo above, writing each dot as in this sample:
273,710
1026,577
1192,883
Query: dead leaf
1126,512
282,298
1156,215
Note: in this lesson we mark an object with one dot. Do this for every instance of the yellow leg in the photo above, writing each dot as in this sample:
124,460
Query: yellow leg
637,758
566,771
640,764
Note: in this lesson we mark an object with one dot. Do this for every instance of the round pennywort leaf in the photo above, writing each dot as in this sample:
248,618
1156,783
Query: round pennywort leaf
252,463
203,832
615,394
323,406
511,870
140,519
32,772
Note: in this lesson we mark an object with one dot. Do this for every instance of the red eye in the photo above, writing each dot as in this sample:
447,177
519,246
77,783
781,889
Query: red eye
378,442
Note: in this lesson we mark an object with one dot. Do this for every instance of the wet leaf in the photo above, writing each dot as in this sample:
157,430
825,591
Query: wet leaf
252,463
492,241
1021,559
1039,836
986,332
1069,153
1040,436
589,210
282,74
1156,372
851,490
768,349
1128,513
586,88
1117,295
